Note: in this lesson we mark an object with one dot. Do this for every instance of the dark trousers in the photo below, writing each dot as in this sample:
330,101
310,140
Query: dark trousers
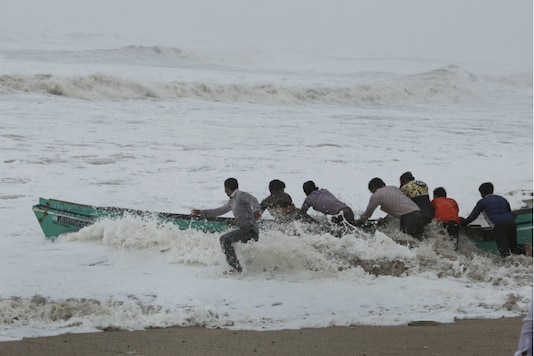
506,238
243,235
344,214
413,224
453,229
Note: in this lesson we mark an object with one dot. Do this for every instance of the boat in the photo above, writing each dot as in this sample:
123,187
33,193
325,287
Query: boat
484,238
57,217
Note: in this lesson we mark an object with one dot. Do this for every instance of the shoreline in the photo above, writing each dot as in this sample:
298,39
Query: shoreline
462,337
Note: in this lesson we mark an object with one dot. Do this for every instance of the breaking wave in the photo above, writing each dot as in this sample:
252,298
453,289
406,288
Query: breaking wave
88,315
293,254
445,85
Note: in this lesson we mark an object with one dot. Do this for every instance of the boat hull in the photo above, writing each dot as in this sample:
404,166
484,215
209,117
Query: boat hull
58,217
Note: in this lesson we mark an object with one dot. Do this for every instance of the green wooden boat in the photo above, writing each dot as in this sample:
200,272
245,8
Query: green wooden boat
484,239
57,217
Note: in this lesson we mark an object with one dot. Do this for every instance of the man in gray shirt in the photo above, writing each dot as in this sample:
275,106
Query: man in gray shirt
393,202
246,209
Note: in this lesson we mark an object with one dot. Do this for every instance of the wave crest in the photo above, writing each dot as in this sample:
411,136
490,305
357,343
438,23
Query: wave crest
445,85
92,87
40,314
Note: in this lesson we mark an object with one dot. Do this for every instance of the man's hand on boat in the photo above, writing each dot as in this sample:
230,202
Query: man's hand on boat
367,223
382,221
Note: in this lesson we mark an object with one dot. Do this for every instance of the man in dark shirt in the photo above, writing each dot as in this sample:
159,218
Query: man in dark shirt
417,191
280,205
499,216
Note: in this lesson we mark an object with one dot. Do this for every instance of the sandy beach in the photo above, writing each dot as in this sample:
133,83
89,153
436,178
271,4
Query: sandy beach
464,337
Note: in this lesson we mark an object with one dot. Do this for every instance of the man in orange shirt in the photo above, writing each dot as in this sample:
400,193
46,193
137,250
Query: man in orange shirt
446,212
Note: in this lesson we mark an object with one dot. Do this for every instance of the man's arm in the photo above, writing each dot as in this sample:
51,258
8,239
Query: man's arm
305,205
474,214
371,207
212,212
254,204
265,203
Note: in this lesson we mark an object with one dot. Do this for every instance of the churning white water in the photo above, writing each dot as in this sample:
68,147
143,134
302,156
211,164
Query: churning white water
103,121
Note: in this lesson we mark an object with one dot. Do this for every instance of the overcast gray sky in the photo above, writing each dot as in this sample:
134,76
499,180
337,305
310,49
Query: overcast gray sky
469,29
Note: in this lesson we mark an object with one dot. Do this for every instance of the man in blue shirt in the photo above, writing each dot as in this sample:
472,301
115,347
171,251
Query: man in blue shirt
246,209
499,216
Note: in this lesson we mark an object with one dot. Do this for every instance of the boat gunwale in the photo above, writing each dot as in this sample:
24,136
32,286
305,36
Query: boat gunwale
135,212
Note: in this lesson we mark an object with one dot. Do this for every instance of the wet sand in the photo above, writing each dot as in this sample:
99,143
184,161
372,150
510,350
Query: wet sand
464,337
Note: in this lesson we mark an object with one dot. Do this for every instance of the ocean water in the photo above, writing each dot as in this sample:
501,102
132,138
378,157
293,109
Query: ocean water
96,120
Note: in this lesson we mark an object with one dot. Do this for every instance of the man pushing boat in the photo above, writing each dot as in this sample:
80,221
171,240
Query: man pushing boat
498,214
246,210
